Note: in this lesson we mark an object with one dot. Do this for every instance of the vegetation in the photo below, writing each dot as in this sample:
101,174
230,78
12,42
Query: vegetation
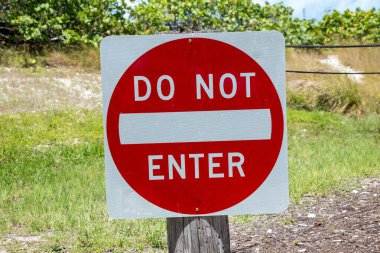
347,94
49,22
52,175
39,22
81,57
357,25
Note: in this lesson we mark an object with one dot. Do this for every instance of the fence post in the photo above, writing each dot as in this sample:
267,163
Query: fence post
198,234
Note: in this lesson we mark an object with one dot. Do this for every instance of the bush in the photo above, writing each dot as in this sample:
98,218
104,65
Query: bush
298,100
340,99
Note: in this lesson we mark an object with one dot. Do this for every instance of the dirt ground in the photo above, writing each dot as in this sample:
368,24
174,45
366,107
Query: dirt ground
341,222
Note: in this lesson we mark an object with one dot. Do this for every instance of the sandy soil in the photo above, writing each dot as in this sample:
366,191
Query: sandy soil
28,90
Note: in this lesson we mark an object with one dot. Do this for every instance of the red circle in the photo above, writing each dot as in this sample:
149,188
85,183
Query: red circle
182,59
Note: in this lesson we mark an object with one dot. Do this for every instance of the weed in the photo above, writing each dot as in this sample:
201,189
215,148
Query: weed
57,248
288,221
298,100
241,219
82,58
340,99
85,240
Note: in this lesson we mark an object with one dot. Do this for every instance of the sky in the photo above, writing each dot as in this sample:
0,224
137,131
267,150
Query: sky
317,8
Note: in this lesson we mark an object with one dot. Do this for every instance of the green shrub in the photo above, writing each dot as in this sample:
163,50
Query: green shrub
298,100
339,99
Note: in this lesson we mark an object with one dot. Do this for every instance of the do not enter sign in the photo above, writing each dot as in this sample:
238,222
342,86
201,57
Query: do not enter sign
194,124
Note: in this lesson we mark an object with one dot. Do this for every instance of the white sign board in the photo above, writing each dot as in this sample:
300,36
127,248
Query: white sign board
195,124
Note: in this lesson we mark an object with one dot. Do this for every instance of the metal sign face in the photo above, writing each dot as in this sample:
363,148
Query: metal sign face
195,124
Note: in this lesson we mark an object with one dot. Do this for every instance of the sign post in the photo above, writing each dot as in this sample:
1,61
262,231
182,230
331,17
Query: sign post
198,234
195,126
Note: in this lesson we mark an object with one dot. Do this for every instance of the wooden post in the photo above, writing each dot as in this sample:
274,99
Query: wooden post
202,234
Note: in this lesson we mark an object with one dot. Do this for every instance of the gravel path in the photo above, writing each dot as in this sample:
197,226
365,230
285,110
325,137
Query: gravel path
342,222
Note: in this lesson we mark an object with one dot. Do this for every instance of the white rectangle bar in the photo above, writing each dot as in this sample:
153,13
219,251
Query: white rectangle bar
199,126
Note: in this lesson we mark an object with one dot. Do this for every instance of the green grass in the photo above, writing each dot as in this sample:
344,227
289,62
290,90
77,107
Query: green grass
52,175
325,150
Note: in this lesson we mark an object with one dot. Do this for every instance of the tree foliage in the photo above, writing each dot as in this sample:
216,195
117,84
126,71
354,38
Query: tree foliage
42,22
357,25
155,16
66,21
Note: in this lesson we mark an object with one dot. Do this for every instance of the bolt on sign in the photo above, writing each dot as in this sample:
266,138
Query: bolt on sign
195,124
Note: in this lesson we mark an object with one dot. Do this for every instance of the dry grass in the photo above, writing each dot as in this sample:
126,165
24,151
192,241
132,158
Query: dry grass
338,93
77,58
366,59
80,59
